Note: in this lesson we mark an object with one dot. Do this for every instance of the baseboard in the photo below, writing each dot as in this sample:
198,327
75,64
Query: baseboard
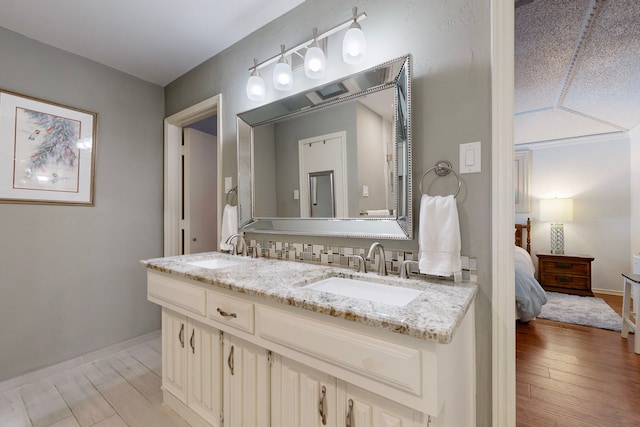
75,362
606,292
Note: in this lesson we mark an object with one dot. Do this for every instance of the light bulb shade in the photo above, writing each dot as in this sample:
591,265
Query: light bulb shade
354,45
315,63
255,88
282,76
556,210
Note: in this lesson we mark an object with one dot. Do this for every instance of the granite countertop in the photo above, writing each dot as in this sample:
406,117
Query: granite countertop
434,315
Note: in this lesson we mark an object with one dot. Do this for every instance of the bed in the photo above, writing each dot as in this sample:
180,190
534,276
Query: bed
530,297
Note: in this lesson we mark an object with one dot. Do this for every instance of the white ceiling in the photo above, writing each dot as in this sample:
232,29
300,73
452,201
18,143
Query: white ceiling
577,68
155,40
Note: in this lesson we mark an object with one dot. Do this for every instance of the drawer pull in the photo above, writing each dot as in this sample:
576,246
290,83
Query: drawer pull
191,341
181,335
225,314
230,360
350,414
323,406
563,279
563,265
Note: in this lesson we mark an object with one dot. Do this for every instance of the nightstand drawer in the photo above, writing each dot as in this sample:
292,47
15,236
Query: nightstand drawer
566,281
577,268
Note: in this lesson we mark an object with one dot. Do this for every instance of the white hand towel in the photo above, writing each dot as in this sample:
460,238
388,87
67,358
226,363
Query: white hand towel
439,236
377,212
229,226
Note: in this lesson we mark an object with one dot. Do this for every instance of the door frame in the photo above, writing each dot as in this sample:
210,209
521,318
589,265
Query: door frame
173,152
303,186
503,359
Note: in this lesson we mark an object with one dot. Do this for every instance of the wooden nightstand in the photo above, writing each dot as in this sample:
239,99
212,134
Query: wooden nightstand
570,274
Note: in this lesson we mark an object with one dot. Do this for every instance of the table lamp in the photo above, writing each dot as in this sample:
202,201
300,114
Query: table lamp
556,211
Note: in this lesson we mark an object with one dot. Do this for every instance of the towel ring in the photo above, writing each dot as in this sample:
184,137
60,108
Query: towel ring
442,168
229,197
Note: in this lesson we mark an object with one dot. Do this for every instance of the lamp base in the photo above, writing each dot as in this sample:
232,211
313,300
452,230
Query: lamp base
557,238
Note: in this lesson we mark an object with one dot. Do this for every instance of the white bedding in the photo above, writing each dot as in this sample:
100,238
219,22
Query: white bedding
530,297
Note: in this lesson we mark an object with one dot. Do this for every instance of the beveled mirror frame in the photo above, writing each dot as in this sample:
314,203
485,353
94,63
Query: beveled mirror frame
397,76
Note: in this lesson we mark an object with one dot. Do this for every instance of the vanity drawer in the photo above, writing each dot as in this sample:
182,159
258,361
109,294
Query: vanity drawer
231,311
173,293
386,362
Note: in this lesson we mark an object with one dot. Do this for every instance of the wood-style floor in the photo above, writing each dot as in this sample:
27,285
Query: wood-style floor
116,391
570,375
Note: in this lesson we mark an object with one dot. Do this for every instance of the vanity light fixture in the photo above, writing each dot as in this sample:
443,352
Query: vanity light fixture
282,76
315,60
255,85
315,63
354,44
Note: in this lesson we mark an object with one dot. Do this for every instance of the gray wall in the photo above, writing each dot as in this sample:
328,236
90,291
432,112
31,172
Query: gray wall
70,281
450,43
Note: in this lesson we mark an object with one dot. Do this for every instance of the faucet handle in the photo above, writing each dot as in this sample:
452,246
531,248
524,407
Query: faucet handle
362,266
404,268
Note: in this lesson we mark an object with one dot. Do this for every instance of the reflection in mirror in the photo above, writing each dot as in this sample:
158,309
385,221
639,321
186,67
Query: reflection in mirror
335,160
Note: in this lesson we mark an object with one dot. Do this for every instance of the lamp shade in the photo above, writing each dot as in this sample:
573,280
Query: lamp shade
354,45
315,63
556,210
256,88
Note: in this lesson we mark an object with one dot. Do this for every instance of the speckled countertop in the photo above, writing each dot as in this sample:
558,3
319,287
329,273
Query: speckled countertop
434,315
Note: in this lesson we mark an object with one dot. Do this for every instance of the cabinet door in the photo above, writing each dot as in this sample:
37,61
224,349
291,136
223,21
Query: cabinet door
205,372
246,383
361,408
301,396
174,354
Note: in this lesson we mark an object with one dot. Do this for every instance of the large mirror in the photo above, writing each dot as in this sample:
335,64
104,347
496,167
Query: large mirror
335,160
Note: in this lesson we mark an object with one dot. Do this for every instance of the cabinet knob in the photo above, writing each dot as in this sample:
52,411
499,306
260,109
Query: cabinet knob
194,239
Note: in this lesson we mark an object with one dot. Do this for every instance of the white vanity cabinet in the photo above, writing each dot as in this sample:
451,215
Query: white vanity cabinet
235,360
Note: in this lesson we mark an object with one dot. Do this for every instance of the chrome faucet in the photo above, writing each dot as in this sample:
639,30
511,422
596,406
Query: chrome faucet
239,240
382,266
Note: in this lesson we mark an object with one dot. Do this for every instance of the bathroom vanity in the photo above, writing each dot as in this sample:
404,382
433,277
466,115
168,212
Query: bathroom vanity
263,342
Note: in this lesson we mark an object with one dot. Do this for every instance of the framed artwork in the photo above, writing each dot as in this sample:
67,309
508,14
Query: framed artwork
521,181
47,152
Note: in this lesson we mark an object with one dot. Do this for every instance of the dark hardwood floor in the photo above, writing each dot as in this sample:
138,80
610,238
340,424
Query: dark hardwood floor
570,375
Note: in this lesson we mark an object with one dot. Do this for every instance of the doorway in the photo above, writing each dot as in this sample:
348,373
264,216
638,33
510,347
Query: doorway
186,187
322,161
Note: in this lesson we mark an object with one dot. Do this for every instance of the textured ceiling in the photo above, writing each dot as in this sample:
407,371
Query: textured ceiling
577,68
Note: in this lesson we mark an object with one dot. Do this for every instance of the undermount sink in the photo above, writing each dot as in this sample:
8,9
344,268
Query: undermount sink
362,289
215,263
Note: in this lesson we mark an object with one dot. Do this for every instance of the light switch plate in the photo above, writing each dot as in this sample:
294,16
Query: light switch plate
470,159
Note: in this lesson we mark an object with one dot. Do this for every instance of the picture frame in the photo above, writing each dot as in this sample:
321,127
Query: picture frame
47,151
521,165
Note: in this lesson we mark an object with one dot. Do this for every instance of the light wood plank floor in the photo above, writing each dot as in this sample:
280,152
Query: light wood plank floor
116,391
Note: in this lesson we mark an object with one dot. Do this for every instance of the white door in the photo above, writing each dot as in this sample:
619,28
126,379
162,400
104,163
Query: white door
301,396
200,189
360,408
205,372
323,154
246,384
174,354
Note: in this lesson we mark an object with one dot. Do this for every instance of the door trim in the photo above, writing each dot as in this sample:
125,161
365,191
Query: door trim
173,167
502,215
